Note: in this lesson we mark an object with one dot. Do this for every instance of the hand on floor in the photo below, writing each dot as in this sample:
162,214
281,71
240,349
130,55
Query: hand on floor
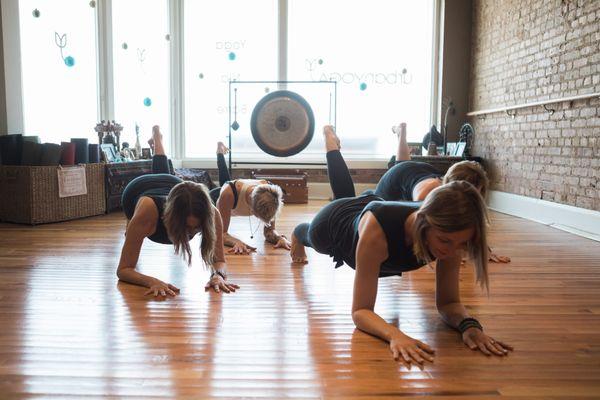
218,284
477,340
241,248
493,257
162,289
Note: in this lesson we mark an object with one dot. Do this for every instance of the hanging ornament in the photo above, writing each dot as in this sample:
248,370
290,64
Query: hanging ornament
36,13
61,42
363,86
147,101
167,37
231,56
235,125
320,61
93,4
404,71
125,46
201,75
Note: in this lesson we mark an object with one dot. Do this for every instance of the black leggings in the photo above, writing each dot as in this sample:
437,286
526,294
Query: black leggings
316,233
223,178
159,182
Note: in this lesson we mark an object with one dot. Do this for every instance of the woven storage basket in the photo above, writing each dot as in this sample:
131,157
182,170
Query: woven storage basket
30,195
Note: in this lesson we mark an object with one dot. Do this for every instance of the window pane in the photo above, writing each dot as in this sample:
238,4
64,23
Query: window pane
58,56
224,39
141,68
379,51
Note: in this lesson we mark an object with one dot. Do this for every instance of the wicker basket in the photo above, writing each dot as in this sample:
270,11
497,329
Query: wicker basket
30,195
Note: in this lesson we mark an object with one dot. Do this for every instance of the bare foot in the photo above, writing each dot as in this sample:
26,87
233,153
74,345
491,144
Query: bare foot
332,142
298,253
399,129
221,148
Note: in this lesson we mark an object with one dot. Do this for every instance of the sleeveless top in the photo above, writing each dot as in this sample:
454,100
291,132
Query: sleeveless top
398,183
391,215
240,204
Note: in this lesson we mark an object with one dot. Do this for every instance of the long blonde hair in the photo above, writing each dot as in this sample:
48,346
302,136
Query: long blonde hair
266,201
184,200
471,172
453,207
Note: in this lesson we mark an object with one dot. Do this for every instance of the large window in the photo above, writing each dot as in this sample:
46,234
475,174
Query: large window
379,52
141,68
224,40
87,61
58,59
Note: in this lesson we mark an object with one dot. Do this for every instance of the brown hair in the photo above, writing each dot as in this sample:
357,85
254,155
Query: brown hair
453,207
471,172
266,201
184,200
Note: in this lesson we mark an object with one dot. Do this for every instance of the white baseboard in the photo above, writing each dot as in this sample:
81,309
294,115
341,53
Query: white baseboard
578,221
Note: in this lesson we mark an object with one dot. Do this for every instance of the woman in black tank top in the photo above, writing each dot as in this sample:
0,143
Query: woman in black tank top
380,238
163,208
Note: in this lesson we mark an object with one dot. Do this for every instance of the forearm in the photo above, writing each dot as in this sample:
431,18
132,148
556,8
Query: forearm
369,322
230,240
453,313
132,276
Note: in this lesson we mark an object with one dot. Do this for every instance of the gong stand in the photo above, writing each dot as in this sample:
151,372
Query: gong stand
281,122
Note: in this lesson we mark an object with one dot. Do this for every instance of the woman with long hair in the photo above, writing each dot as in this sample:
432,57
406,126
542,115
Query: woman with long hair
247,197
165,209
382,238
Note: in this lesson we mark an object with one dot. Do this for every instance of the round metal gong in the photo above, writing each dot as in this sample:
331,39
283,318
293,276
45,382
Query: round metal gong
282,123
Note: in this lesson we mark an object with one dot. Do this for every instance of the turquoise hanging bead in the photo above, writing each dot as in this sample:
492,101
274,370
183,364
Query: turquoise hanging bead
69,61
147,101
363,86
231,56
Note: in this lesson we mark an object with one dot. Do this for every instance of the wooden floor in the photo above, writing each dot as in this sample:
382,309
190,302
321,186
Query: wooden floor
70,330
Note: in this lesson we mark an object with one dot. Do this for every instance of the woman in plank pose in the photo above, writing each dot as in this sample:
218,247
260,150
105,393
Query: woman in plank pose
382,238
165,209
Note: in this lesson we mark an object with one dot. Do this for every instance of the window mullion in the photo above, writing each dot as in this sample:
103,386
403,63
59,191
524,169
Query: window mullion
106,101
176,73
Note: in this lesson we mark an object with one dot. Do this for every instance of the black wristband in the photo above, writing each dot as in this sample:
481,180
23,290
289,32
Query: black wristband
220,273
469,323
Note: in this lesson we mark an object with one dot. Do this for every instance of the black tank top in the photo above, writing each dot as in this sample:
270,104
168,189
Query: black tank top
398,183
391,215
160,234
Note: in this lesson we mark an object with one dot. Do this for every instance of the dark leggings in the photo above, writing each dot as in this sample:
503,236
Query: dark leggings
223,178
316,233
159,182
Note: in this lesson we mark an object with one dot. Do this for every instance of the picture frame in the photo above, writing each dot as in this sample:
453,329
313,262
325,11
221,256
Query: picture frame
460,149
109,154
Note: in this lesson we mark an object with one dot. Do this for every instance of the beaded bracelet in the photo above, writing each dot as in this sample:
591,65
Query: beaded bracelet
469,323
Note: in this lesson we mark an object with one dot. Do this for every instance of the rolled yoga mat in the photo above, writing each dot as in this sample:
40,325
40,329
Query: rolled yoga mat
81,150
32,153
11,149
68,153
50,154
94,153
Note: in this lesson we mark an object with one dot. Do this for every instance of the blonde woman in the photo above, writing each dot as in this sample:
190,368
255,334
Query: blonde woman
382,238
247,197
165,209
412,180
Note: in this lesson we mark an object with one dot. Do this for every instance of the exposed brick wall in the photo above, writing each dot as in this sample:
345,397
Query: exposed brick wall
525,51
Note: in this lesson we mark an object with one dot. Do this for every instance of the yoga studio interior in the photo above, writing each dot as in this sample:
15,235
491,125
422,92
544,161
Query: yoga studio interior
300,199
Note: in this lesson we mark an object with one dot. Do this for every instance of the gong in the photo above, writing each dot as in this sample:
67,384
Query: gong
282,123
